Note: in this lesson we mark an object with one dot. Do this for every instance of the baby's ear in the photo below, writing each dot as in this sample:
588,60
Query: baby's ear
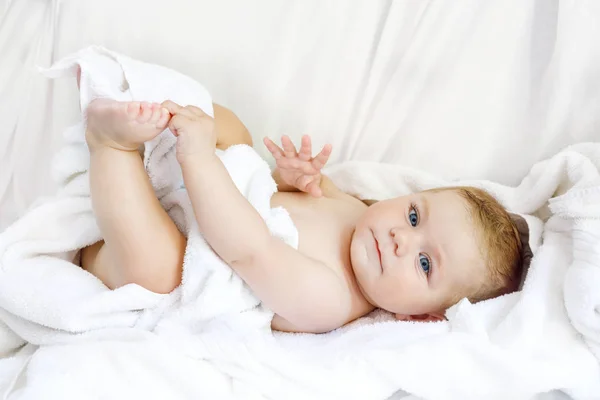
431,317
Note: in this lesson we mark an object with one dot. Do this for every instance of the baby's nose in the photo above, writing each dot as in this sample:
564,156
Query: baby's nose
401,239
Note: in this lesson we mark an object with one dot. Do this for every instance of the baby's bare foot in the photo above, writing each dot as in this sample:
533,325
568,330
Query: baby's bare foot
123,125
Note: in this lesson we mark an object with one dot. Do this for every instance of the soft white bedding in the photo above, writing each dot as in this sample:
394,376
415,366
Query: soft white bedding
476,90
546,337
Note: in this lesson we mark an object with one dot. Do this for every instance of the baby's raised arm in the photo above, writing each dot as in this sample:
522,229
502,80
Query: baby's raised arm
303,291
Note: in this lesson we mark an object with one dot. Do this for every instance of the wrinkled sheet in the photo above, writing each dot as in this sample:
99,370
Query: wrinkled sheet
469,90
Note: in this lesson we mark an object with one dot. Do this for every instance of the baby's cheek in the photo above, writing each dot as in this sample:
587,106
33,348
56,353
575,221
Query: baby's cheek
408,290
422,298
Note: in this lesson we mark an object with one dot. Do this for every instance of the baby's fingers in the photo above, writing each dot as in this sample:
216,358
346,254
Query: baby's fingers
305,153
288,147
304,167
309,184
275,150
314,189
321,159
178,124
171,106
190,112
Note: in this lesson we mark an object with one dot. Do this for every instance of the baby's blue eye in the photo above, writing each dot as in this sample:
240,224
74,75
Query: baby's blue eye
413,217
425,263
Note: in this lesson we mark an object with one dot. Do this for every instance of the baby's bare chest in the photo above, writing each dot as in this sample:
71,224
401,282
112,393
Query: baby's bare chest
324,225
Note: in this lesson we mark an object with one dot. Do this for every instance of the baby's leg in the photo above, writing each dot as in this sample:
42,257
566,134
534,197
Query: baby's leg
141,243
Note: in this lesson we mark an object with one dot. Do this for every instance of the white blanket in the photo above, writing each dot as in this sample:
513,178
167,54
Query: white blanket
209,337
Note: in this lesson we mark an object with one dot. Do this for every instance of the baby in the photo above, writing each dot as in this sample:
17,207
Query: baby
414,255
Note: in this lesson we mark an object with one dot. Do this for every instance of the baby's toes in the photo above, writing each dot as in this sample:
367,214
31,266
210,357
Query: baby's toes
155,116
145,113
164,118
133,109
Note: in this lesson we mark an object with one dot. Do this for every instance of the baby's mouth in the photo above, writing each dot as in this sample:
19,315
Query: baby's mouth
378,251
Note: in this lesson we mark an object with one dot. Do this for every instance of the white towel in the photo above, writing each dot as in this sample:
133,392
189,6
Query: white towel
208,338
46,299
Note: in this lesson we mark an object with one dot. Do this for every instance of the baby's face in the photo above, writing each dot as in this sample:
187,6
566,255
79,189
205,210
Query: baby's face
413,254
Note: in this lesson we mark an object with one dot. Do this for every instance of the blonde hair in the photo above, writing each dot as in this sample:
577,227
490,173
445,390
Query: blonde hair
499,240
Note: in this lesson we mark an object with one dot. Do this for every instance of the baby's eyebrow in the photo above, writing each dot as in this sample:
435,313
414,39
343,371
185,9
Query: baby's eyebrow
425,207
439,253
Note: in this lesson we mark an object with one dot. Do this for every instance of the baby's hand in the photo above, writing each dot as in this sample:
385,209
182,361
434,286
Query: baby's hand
299,170
195,131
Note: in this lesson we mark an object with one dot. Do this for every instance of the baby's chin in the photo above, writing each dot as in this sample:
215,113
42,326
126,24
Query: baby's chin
357,262
358,256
